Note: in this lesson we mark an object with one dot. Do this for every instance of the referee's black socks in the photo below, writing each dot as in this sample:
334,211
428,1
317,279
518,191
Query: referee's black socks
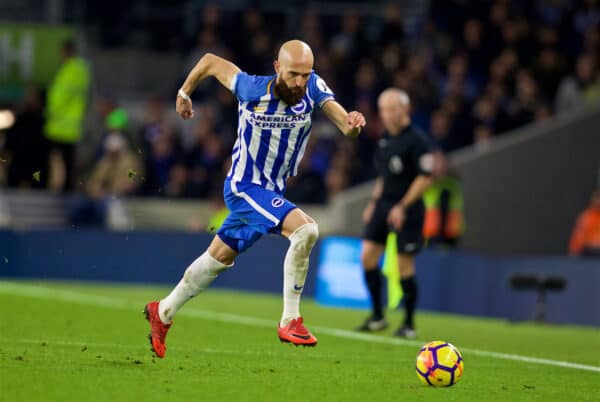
373,280
410,290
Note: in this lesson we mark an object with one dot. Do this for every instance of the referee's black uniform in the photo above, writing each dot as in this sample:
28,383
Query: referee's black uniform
399,160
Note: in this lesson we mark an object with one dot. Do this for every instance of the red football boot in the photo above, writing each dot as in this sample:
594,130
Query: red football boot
295,332
158,329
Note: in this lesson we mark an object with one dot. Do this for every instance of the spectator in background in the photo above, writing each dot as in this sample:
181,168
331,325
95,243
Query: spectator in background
205,160
585,239
393,27
482,136
522,108
164,155
457,80
116,174
439,127
26,146
580,88
309,184
154,120
548,70
365,82
587,15
177,184
478,54
115,123
444,218
351,40
422,90
65,109
161,145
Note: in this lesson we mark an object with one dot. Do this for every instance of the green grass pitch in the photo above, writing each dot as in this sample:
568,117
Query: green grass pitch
78,342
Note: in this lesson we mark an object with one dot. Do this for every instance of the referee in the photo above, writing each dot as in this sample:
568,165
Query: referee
404,164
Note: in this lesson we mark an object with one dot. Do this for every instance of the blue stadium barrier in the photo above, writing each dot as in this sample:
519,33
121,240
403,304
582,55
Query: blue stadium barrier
451,282
144,257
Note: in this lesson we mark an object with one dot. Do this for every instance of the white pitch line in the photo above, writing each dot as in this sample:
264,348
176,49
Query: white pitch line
41,292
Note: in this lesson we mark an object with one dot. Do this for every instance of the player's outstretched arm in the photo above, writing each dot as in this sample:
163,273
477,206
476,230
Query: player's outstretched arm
349,123
209,65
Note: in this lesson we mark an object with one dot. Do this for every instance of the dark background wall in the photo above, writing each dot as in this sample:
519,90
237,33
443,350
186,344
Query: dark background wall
524,194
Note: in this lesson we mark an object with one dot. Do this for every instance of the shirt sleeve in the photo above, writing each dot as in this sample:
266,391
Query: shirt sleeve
378,160
247,87
422,157
319,91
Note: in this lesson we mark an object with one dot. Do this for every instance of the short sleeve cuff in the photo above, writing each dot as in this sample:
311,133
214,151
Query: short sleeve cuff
325,100
233,82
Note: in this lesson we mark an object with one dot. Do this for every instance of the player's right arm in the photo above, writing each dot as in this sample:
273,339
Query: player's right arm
375,196
209,65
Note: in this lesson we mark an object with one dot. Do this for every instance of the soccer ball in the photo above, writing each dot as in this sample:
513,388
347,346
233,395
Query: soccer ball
439,364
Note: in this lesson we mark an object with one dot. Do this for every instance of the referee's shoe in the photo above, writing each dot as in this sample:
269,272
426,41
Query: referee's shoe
406,331
373,324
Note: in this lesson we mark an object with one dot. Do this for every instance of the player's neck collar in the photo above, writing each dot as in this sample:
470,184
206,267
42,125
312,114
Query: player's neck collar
271,87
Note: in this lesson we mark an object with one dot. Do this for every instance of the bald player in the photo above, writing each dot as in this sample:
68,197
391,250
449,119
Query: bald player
404,164
274,124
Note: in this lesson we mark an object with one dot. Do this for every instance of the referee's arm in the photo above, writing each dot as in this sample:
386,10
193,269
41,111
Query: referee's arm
375,195
415,192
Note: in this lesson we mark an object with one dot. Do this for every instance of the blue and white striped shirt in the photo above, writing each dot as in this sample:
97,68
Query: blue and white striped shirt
271,136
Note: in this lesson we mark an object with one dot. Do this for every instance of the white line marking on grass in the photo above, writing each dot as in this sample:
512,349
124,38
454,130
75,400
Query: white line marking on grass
102,301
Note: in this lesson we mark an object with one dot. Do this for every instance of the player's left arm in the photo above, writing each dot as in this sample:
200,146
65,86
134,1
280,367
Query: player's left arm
349,123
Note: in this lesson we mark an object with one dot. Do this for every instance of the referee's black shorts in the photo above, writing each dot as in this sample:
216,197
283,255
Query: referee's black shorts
409,237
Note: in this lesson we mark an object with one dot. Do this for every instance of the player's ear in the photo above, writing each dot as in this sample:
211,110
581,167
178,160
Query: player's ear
276,66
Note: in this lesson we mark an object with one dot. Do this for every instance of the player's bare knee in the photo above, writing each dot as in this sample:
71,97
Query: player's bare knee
222,259
221,252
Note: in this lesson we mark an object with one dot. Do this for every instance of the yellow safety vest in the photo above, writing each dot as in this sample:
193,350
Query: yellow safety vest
66,102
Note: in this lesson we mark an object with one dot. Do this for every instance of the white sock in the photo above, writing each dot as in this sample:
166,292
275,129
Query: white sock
295,268
196,278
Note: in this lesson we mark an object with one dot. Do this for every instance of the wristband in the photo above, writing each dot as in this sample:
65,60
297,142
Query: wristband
183,95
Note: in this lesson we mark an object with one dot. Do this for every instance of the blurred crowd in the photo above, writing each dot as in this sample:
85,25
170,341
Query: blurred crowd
473,69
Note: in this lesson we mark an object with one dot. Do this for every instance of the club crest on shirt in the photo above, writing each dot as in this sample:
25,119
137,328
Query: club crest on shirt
277,202
395,164
300,107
